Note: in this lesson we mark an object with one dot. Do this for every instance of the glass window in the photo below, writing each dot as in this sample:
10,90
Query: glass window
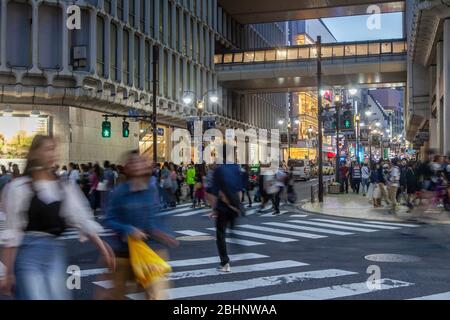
362,50
281,54
238,57
147,66
327,52
143,4
228,58
303,53
169,23
338,51
113,52
292,54
399,47
270,55
107,6
374,48
126,45
218,58
350,50
166,74
161,15
120,9
259,56
386,47
137,60
131,12
152,17
313,52
174,78
249,56
100,46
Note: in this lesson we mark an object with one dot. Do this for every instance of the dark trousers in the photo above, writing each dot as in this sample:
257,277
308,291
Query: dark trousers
224,218
276,200
344,183
191,191
356,184
246,192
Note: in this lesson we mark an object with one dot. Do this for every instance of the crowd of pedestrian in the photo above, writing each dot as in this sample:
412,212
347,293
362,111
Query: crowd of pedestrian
396,182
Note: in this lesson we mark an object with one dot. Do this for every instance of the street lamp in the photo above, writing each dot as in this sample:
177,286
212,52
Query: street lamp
368,113
189,97
353,91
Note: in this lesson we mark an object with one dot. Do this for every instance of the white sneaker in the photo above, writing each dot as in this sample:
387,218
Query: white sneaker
225,268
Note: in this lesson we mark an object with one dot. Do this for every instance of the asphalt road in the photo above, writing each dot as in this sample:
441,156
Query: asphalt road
292,256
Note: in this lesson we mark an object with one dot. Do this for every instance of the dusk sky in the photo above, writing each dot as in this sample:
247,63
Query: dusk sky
355,28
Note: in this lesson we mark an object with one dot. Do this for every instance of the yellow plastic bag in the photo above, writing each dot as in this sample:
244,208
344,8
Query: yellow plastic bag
147,265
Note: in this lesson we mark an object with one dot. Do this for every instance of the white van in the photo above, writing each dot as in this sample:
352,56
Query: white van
301,169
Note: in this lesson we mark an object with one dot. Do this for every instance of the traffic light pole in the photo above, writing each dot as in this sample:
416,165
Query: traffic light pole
320,109
338,119
155,94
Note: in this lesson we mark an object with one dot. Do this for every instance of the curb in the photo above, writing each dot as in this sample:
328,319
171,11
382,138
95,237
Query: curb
410,220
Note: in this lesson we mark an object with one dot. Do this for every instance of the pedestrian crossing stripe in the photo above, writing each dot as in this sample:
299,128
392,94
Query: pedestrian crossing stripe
357,224
192,233
273,215
314,229
242,242
254,283
215,259
192,212
282,231
333,226
394,224
338,291
438,296
246,243
298,216
259,236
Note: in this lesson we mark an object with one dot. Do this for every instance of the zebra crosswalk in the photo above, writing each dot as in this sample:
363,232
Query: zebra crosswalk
254,273
286,231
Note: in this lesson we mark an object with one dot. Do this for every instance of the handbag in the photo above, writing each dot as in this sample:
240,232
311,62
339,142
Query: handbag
102,186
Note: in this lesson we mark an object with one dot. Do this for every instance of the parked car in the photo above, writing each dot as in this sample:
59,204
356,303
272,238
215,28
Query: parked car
301,169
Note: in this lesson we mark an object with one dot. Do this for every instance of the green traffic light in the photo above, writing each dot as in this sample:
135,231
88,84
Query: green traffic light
106,129
347,124
125,129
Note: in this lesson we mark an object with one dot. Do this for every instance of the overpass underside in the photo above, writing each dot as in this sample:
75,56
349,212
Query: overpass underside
264,11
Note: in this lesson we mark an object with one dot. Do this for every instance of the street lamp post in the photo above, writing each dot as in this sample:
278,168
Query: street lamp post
338,119
320,109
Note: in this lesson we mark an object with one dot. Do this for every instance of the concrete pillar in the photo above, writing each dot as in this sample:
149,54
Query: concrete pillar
3,21
107,46
169,76
446,84
65,40
93,42
177,79
35,36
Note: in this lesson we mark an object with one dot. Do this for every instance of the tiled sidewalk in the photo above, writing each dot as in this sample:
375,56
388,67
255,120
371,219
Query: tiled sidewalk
357,206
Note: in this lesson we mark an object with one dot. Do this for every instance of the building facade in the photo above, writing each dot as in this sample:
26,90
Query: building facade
69,78
427,111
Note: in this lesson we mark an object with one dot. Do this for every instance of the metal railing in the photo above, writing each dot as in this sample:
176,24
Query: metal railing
307,52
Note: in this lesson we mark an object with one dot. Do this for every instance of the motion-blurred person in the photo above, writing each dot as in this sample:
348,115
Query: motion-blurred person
394,180
343,177
356,178
365,178
227,207
74,173
190,179
38,209
133,212
245,174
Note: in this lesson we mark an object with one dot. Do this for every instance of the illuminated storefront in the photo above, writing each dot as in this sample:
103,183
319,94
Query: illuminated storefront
17,133
146,141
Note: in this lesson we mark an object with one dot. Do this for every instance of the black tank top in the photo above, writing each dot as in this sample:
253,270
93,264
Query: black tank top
44,217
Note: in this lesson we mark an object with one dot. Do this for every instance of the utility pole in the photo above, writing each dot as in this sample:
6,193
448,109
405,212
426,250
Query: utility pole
155,94
319,90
